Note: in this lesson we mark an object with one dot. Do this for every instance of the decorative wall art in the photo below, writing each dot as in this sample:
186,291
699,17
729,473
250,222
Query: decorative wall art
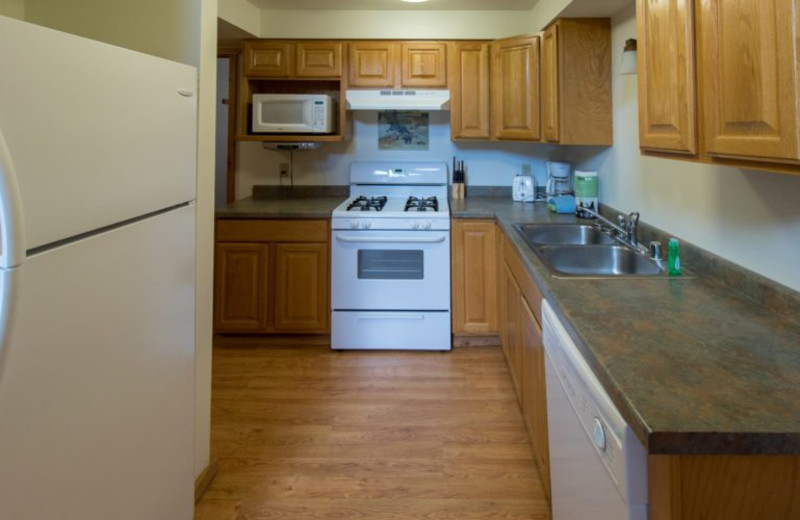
402,130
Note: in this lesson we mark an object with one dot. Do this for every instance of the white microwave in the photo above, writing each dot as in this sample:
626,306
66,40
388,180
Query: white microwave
292,113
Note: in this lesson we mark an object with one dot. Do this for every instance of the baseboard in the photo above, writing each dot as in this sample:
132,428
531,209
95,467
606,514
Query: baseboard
204,480
488,340
270,340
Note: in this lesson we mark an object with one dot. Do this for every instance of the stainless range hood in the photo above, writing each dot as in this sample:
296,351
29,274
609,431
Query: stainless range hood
387,99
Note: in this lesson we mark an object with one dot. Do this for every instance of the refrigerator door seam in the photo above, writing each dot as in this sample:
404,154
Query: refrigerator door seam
104,229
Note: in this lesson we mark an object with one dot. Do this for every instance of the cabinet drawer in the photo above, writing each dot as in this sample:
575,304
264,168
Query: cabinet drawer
266,230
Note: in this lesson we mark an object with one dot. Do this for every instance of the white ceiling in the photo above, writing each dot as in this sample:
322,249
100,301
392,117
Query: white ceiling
397,5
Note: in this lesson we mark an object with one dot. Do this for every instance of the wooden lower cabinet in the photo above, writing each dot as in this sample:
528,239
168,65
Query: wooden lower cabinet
301,287
524,351
534,401
240,287
511,332
474,281
272,276
724,487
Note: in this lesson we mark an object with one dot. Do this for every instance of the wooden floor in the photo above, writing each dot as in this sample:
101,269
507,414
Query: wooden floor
306,433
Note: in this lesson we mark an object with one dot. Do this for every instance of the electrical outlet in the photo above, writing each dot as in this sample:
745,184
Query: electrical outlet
284,169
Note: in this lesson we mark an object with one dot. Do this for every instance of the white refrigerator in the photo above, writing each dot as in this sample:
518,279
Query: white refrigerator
97,267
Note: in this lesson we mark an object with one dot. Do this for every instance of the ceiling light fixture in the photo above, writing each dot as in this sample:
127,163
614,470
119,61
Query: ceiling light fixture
415,1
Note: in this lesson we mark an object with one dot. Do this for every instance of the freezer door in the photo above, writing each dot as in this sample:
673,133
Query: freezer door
96,402
98,134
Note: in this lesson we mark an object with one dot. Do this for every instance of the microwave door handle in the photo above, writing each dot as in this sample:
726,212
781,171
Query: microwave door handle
391,240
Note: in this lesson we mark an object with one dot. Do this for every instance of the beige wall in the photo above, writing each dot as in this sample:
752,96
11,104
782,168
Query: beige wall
242,14
158,27
749,217
13,8
394,24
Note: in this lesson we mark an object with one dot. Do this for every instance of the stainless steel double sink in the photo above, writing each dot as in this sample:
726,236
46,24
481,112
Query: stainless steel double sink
578,250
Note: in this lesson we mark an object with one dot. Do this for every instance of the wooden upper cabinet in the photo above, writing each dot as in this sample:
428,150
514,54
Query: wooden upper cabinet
515,88
423,64
551,130
748,71
373,64
666,75
474,277
469,90
576,82
271,59
268,59
319,59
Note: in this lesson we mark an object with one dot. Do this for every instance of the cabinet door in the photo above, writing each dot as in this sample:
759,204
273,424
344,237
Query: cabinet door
511,332
301,287
515,88
469,91
318,60
474,277
534,399
666,75
241,299
749,78
423,64
550,95
268,59
372,64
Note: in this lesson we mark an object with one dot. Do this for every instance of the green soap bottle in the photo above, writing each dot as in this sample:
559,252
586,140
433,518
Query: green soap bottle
674,257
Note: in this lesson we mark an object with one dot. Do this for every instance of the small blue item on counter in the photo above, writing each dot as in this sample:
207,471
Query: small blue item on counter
674,257
561,204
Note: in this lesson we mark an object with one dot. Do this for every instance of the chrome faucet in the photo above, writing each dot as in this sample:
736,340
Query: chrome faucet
625,230
630,224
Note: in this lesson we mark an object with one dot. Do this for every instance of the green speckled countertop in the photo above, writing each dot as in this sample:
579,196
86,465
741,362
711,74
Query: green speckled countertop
694,366
296,207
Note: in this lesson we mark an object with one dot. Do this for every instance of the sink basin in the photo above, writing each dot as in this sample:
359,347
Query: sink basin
597,261
561,234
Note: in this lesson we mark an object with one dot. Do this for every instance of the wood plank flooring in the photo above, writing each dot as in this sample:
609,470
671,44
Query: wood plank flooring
306,433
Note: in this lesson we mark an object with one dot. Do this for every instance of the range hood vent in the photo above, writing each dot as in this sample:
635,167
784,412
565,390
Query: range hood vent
387,99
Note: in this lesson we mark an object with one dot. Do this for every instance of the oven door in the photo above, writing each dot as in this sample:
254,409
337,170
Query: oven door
390,270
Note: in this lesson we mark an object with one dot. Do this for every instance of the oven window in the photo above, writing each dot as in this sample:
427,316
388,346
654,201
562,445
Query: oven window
390,264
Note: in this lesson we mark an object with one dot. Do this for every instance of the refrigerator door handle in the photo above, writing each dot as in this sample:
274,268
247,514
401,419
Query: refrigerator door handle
9,282
12,224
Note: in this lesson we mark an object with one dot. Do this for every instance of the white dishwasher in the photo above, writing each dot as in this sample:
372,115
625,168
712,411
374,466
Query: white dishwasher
598,468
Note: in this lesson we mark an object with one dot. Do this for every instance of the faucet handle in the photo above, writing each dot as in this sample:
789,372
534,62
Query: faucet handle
622,220
655,250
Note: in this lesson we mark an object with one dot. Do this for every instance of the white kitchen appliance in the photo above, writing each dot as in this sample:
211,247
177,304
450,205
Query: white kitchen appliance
598,468
390,259
97,226
523,188
292,113
559,179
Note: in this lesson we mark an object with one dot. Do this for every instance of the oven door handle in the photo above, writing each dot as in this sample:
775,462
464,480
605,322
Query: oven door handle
391,240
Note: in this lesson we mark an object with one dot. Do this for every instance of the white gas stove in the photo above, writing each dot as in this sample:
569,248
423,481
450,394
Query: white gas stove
390,259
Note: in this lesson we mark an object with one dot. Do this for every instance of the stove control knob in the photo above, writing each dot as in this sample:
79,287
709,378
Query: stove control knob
415,225
428,224
367,224
353,224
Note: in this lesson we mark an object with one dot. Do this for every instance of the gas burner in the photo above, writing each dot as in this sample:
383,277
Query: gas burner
422,204
367,204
